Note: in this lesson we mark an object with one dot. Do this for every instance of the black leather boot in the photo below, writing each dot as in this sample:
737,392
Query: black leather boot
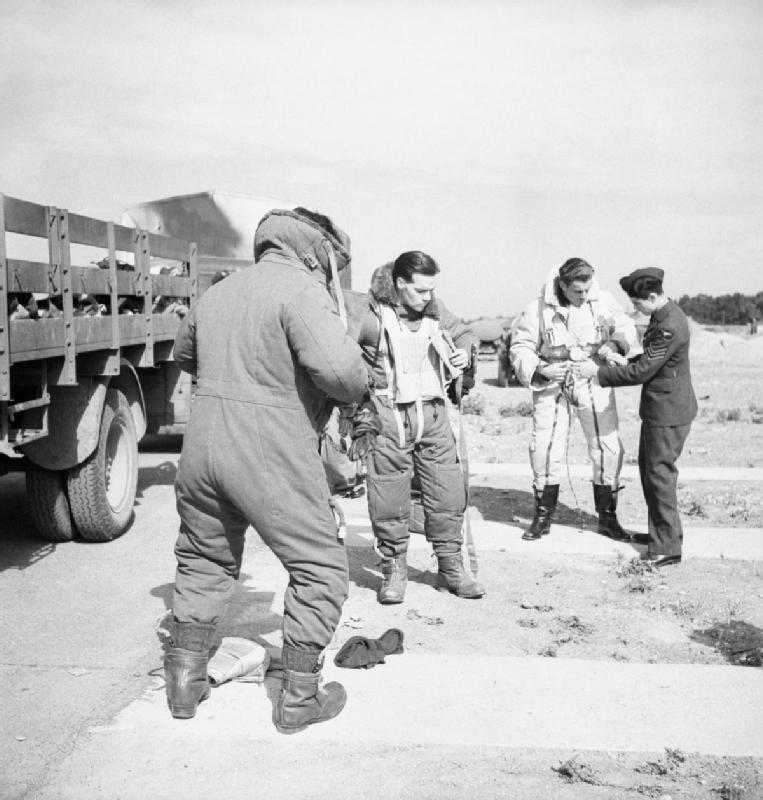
394,580
606,506
303,701
453,578
545,506
185,667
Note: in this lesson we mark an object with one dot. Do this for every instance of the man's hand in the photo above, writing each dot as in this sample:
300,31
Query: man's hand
554,371
468,378
584,369
459,358
611,355
366,426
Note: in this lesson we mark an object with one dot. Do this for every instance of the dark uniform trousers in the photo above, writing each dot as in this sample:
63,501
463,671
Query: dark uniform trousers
659,449
667,398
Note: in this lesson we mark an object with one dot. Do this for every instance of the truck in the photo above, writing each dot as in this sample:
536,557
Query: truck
86,366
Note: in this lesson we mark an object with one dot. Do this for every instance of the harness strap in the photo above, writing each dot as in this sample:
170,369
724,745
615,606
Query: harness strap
420,420
589,385
463,456
337,288
400,424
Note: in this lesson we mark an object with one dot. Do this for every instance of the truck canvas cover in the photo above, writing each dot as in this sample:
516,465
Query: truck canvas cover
221,223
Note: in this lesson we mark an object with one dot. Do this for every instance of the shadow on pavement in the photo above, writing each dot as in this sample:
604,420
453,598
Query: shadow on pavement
22,547
161,475
365,569
740,643
513,505
20,543
248,616
166,443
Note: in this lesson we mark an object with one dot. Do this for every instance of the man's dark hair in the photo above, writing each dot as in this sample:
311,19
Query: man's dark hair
641,288
575,269
412,262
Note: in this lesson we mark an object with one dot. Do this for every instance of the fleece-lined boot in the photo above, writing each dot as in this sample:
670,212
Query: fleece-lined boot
453,578
185,667
606,506
545,506
303,701
394,580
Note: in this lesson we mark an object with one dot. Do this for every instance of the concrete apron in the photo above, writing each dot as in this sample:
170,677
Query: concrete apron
512,702
628,471
456,700
731,543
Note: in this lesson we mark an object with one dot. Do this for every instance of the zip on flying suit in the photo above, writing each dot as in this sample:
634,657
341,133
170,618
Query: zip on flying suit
406,355
549,331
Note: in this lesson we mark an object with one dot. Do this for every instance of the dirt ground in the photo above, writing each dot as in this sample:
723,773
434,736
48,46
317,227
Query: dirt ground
562,606
707,612
558,606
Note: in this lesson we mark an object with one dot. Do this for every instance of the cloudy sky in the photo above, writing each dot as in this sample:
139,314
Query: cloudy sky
501,137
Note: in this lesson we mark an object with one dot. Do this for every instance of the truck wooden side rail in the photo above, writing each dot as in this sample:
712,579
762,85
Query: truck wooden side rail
78,390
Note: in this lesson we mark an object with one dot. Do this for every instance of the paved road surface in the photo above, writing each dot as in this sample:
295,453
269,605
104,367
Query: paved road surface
84,714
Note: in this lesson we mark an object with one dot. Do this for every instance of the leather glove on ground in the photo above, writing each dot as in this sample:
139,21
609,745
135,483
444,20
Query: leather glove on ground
366,426
238,659
361,653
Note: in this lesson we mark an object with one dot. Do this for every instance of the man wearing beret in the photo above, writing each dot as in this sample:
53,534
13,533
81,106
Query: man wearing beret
668,406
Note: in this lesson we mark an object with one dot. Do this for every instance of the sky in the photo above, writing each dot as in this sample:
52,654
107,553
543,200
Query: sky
500,137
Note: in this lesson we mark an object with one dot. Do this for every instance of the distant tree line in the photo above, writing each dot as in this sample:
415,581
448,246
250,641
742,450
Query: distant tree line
727,309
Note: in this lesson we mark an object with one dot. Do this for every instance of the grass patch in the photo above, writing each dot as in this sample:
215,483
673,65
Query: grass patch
473,404
521,409
638,575
576,771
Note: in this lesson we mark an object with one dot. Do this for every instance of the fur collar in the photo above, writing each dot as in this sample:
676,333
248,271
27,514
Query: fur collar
383,290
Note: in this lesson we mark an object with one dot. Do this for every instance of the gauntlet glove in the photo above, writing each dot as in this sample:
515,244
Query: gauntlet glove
366,426
468,379
346,416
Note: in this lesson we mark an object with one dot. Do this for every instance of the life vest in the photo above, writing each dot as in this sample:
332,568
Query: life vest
557,342
415,362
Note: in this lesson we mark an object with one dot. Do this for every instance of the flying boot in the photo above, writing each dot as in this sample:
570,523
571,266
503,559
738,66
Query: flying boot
303,701
394,580
185,667
453,578
606,505
545,506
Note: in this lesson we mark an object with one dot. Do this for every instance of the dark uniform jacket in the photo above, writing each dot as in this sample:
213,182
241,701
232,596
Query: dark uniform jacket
667,396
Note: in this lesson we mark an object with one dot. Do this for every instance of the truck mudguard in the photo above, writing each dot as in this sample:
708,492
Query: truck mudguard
74,418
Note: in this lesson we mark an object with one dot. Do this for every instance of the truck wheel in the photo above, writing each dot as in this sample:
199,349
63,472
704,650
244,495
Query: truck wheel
48,504
102,488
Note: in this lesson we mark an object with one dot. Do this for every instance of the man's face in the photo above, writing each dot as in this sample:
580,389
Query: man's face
416,293
645,305
576,292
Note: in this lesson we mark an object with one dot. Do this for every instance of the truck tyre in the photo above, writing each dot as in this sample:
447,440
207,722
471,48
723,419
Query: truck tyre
48,504
102,488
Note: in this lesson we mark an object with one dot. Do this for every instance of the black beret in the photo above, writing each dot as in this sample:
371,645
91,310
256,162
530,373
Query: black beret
647,272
